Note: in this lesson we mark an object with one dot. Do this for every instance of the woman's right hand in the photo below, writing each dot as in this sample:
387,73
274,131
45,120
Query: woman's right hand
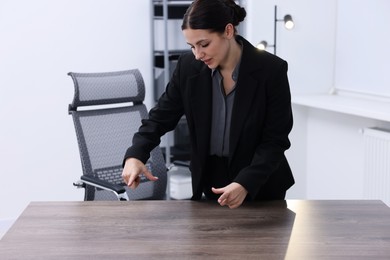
132,171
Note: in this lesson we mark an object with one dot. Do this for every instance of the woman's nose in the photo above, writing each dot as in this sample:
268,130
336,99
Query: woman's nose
198,54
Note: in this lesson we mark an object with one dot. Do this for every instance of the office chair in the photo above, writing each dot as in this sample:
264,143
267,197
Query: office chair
107,110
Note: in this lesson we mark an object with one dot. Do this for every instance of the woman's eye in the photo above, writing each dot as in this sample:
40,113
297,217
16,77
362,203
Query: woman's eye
205,45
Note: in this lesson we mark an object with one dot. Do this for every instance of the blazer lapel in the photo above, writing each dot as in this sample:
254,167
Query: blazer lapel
244,95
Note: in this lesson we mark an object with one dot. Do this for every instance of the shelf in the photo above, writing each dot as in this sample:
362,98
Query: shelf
176,9
173,2
171,51
357,106
172,56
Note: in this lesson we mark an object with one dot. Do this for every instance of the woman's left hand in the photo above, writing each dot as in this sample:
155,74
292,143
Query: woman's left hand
232,195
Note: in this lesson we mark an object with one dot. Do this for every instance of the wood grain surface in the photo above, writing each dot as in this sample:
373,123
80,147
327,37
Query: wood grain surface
200,230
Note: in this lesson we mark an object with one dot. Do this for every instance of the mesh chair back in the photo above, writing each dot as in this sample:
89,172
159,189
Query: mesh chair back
105,132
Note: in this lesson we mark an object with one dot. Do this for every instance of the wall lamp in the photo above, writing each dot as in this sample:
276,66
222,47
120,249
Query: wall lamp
288,24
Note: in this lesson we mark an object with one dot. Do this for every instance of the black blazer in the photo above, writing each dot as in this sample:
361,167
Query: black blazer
260,124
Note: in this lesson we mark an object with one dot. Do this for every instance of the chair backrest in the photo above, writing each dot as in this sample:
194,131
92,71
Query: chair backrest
107,110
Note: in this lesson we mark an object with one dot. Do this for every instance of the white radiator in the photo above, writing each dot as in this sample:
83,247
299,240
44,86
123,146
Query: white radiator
377,164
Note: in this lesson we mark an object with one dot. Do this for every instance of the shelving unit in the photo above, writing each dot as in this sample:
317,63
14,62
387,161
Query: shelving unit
167,47
167,17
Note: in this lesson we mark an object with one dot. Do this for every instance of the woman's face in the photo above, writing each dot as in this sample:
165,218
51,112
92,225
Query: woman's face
210,47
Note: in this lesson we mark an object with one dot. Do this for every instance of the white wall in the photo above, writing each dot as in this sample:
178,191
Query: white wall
41,41
309,48
363,40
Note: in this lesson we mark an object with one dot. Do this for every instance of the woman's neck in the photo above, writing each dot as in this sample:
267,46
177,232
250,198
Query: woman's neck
233,57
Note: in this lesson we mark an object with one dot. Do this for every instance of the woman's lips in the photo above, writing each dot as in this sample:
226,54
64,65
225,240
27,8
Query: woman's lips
207,62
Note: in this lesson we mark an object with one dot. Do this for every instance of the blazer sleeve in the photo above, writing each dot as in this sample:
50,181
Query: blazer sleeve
162,118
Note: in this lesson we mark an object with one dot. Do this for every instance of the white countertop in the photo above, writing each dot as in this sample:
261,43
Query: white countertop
366,107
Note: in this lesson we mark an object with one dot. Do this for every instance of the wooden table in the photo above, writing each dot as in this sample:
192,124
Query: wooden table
200,230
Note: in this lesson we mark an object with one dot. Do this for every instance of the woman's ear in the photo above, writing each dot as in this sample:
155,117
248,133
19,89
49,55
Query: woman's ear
229,31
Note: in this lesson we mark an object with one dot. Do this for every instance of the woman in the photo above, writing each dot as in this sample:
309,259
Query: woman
236,100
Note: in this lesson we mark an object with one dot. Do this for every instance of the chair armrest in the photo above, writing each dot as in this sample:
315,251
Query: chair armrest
119,190
94,181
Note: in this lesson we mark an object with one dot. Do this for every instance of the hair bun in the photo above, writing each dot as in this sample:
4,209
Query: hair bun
238,12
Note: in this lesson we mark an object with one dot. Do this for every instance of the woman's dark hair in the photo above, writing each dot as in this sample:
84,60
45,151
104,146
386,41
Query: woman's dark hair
213,15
